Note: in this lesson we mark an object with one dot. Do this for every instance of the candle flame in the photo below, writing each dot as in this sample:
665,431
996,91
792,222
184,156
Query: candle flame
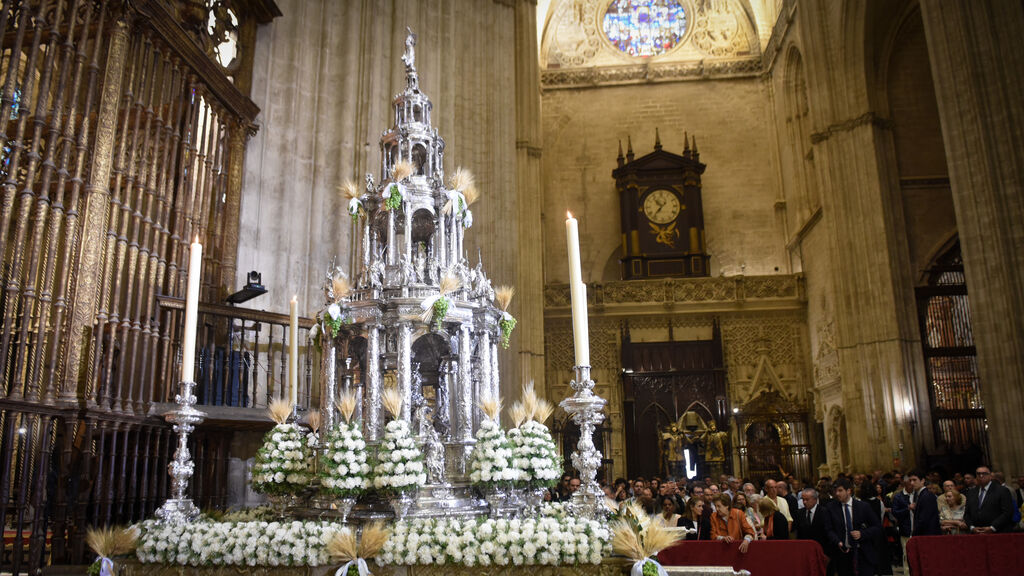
196,241
295,298
568,215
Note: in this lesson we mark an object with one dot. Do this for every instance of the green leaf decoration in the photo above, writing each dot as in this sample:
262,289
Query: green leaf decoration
507,325
394,201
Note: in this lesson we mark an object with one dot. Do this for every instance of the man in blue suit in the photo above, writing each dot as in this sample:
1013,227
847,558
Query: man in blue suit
852,530
924,507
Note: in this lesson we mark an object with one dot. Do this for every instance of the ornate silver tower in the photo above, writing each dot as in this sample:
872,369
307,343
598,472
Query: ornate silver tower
442,366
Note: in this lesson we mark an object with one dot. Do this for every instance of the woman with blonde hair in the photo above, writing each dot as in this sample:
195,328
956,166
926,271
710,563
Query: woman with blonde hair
776,527
952,505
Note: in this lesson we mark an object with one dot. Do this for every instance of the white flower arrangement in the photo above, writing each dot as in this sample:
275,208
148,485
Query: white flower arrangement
490,463
399,468
533,449
534,453
345,472
206,543
496,542
283,462
343,462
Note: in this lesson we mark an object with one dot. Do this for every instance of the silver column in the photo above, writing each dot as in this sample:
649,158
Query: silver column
408,232
483,387
371,404
330,379
365,273
405,369
495,373
440,246
392,249
466,401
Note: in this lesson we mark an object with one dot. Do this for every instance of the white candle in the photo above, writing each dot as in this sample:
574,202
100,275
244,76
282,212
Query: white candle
188,347
293,351
578,293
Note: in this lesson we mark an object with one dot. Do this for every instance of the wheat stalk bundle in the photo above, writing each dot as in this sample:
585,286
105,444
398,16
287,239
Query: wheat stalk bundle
391,398
491,407
518,414
503,297
543,410
449,284
313,419
111,541
279,410
472,194
626,541
346,406
462,180
529,399
343,546
402,170
350,190
375,535
341,287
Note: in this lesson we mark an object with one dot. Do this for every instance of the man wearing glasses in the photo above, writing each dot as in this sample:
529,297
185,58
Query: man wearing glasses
989,505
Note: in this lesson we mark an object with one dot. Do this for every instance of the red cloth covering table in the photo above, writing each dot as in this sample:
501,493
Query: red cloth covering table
763,558
974,554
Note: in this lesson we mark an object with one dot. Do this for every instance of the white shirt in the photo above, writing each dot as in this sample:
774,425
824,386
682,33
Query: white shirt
783,507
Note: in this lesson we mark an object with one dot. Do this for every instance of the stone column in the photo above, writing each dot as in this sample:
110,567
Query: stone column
371,404
976,64
528,306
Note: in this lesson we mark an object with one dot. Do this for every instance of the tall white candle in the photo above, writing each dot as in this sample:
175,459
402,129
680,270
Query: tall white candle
578,293
293,351
188,346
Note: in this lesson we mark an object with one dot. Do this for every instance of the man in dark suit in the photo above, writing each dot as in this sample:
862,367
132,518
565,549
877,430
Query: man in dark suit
924,508
989,505
852,529
810,521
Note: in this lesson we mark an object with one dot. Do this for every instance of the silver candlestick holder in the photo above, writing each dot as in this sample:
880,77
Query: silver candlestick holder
585,409
179,508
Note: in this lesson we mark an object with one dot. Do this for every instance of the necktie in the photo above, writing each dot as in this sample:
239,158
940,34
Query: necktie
981,496
810,517
849,522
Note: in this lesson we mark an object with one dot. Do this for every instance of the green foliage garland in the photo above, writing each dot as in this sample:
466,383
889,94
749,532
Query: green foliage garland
394,201
507,325
440,311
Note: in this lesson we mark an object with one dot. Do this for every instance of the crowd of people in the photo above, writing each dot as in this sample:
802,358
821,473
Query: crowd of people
861,521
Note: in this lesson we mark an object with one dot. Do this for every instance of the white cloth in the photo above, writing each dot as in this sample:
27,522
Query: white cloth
106,566
364,570
638,568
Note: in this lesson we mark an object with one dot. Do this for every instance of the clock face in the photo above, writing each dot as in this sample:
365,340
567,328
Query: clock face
661,206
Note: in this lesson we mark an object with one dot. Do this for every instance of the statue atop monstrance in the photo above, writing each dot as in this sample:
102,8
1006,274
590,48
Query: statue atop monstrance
443,359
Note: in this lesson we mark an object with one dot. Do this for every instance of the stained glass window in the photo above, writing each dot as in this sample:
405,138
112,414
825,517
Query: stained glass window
644,27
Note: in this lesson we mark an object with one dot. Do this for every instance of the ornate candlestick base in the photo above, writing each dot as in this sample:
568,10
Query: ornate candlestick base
179,508
585,408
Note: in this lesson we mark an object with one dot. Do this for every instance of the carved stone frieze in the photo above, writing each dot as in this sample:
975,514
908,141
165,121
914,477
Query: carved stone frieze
732,289
650,72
